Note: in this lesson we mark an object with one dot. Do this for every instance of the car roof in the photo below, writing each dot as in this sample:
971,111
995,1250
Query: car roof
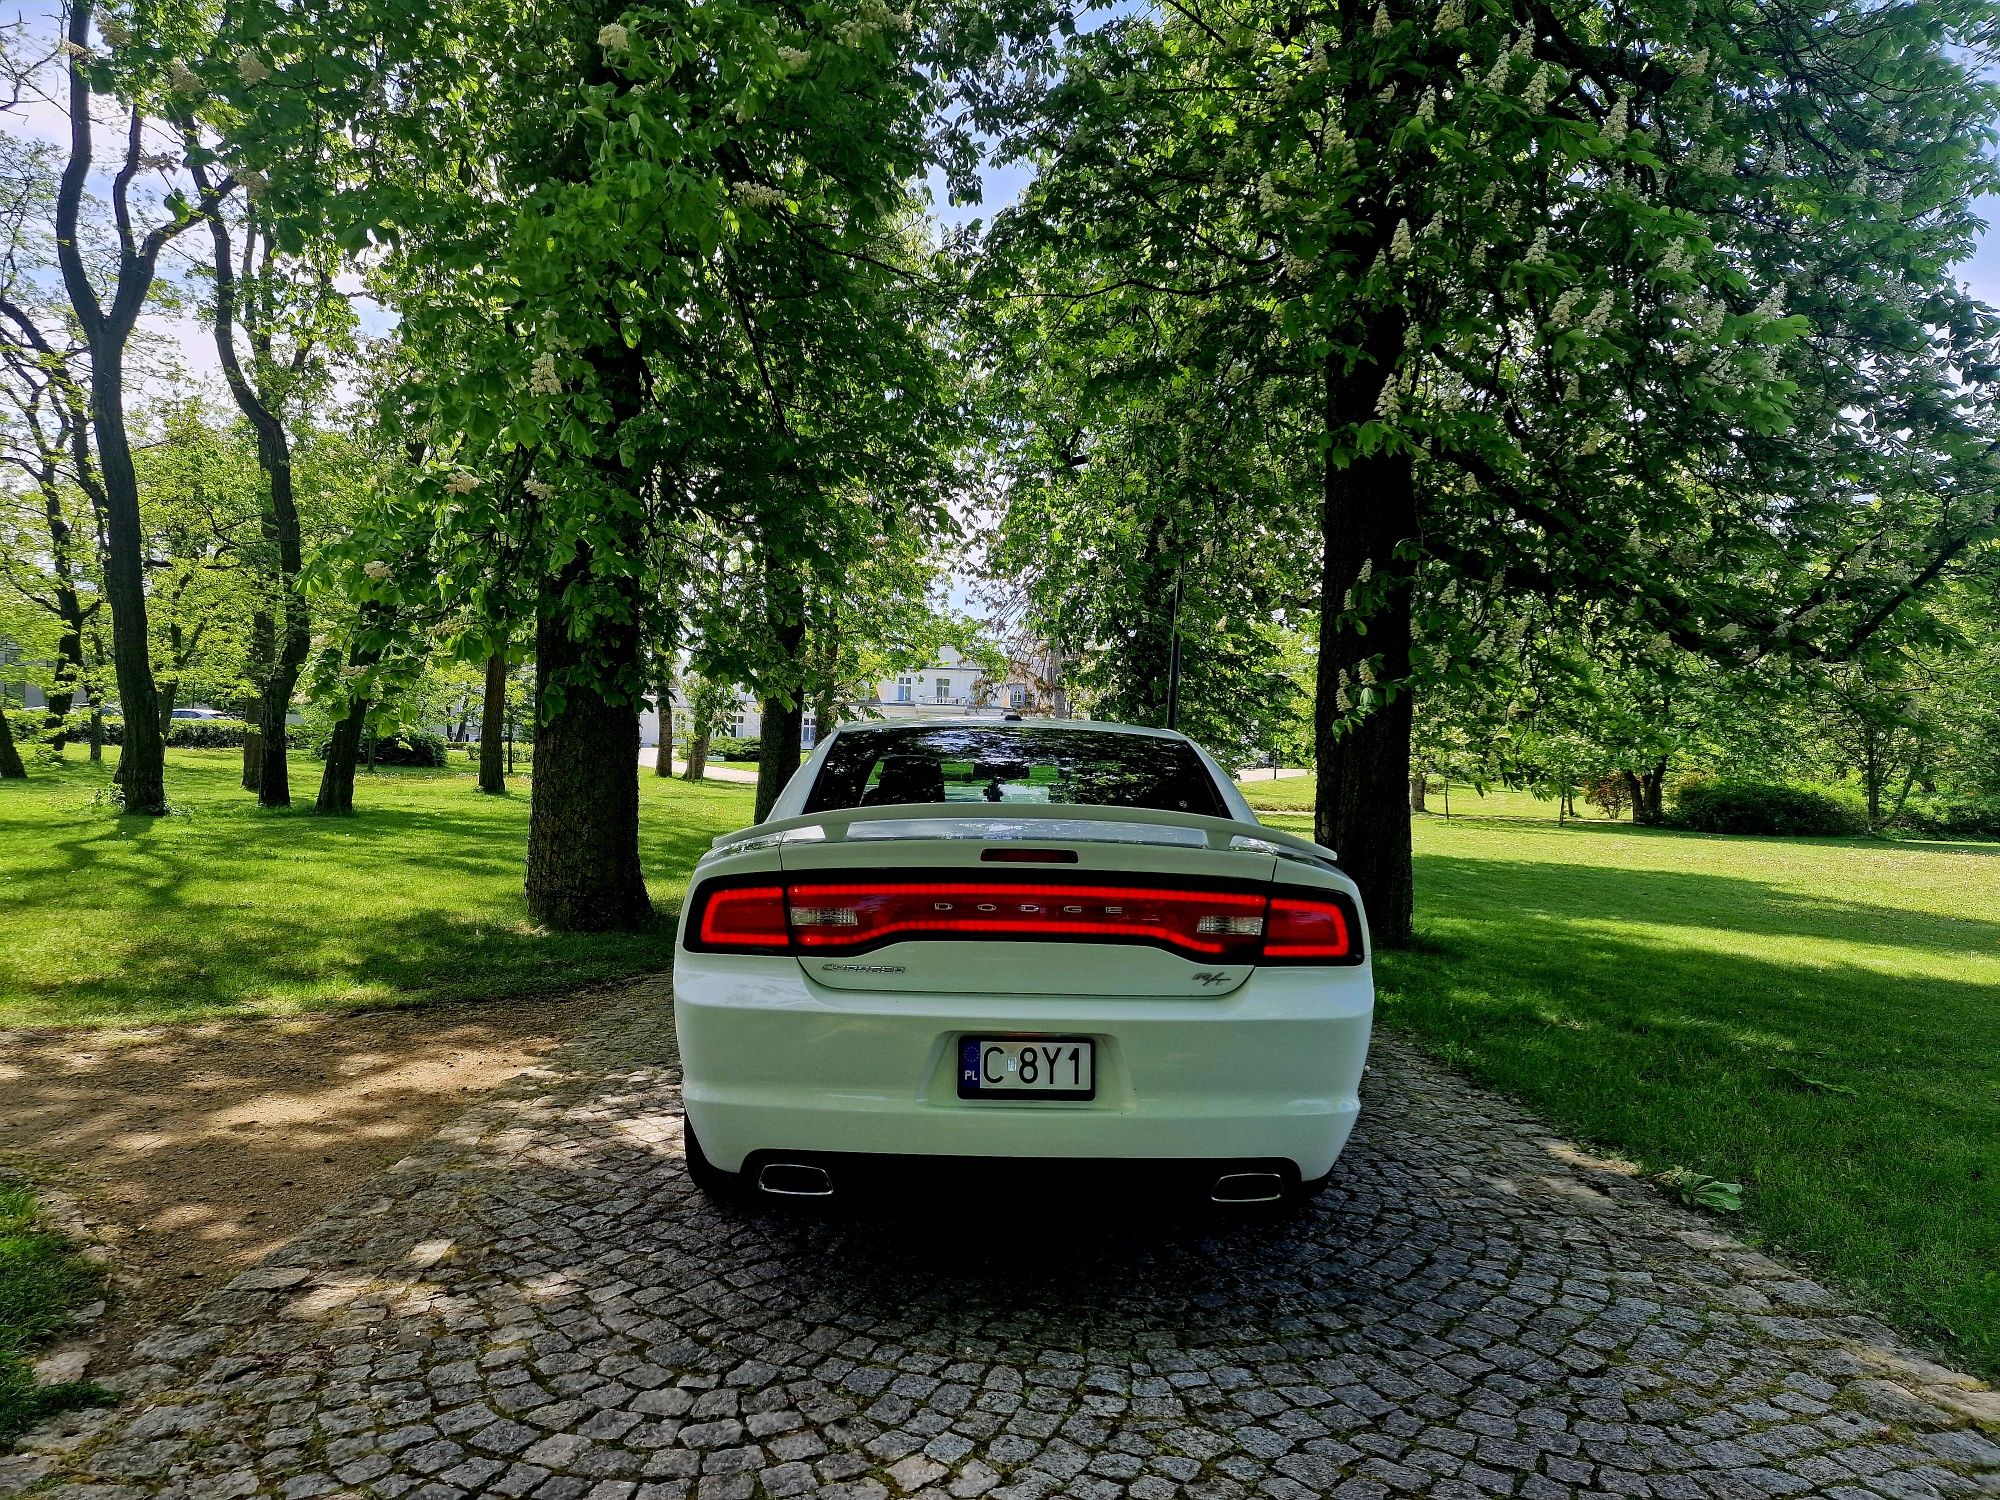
1101,726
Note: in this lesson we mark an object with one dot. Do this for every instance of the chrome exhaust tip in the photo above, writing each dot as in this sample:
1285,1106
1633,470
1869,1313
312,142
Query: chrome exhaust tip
794,1179
1248,1187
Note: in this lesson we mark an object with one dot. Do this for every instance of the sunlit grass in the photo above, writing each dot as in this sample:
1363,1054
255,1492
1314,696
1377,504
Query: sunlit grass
1818,1019
41,1279
223,908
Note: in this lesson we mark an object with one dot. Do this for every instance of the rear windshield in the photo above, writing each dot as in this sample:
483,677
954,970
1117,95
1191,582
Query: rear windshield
1013,765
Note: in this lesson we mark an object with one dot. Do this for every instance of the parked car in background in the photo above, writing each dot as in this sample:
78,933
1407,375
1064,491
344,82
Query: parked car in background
1051,944
197,713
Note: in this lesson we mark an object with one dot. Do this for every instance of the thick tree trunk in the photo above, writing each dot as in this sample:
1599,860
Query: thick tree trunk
142,762
1369,511
697,762
777,749
259,654
1646,788
583,819
11,768
1420,785
96,733
493,727
336,782
663,763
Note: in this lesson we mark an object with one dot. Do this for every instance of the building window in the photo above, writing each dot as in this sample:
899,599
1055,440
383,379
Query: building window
1017,696
902,690
944,690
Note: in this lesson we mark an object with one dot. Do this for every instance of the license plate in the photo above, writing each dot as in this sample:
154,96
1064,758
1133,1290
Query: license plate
1039,1067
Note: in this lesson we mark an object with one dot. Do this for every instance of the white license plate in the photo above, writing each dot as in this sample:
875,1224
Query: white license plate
1044,1067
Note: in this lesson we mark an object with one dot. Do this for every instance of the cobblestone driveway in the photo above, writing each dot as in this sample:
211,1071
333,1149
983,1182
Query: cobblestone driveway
540,1305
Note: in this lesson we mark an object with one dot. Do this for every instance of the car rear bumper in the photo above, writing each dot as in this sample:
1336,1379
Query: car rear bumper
774,1063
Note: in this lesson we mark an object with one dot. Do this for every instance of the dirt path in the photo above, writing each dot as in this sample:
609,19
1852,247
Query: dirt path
193,1151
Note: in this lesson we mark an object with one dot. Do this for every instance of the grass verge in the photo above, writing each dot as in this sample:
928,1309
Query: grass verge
226,909
41,1279
1817,1019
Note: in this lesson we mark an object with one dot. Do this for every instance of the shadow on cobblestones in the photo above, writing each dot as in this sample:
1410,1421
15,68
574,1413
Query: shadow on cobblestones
541,1304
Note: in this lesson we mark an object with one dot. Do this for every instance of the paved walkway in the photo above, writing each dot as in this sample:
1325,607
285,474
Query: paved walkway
539,1304
649,757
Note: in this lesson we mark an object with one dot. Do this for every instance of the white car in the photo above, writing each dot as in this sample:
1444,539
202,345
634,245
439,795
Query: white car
1045,944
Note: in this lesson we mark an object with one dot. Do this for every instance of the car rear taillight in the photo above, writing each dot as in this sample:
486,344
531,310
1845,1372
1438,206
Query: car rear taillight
743,919
1301,929
1236,923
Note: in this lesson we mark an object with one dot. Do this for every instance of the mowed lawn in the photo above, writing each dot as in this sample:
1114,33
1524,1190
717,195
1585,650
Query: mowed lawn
226,909
1817,1019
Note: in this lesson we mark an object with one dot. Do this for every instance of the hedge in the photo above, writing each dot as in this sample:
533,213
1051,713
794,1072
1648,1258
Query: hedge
412,747
31,728
1940,815
732,747
1763,807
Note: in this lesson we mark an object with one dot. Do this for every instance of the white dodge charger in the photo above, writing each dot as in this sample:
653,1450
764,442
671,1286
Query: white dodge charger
1041,944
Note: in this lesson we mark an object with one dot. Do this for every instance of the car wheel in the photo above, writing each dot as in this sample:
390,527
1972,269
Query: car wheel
705,1174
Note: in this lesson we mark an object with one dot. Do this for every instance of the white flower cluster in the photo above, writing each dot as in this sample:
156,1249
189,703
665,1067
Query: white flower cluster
1381,26
1451,16
1400,243
114,30
542,377
1538,251
251,68
794,58
1696,64
1773,305
1619,125
76,49
461,483
1268,197
614,38
377,570
159,161
183,81
756,195
541,489
871,17
1536,95
1297,267
1677,260
255,183
1427,107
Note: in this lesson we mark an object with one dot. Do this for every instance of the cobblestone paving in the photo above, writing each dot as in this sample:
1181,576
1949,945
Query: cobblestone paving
539,1304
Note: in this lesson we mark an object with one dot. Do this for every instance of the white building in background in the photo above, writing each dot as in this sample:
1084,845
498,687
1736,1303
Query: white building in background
952,687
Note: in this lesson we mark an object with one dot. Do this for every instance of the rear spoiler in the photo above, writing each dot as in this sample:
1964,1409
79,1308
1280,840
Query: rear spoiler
1042,824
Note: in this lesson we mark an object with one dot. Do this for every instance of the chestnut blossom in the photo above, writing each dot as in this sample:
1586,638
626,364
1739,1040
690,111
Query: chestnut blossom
461,483
250,67
377,570
255,183
183,80
756,195
114,30
76,50
613,38
542,379
541,489
1400,243
794,58
1451,16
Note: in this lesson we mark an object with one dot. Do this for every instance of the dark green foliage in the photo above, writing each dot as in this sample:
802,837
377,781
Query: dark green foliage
408,747
1762,807
1943,816
41,1279
733,747
31,727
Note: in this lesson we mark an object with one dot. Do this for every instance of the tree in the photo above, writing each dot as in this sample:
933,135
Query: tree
493,726
1552,291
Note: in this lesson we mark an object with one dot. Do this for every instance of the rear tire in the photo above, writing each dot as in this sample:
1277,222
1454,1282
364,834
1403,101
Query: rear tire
723,1187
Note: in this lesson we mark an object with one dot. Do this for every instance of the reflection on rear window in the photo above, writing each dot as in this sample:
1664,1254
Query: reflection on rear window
1013,766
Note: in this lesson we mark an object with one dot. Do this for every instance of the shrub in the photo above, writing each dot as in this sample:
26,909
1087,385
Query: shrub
732,747
1942,816
30,727
1762,807
410,747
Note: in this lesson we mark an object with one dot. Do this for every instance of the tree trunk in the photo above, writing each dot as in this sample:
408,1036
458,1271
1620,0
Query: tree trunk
1369,511
697,762
96,733
142,762
663,763
1646,788
493,727
11,768
336,782
261,652
1420,783
583,819
777,749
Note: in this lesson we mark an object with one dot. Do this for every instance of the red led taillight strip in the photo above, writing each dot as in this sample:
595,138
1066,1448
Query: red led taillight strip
1228,925
828,918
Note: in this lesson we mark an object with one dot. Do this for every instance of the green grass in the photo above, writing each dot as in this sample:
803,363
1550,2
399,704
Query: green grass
41,1279
225,909
1817,1019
